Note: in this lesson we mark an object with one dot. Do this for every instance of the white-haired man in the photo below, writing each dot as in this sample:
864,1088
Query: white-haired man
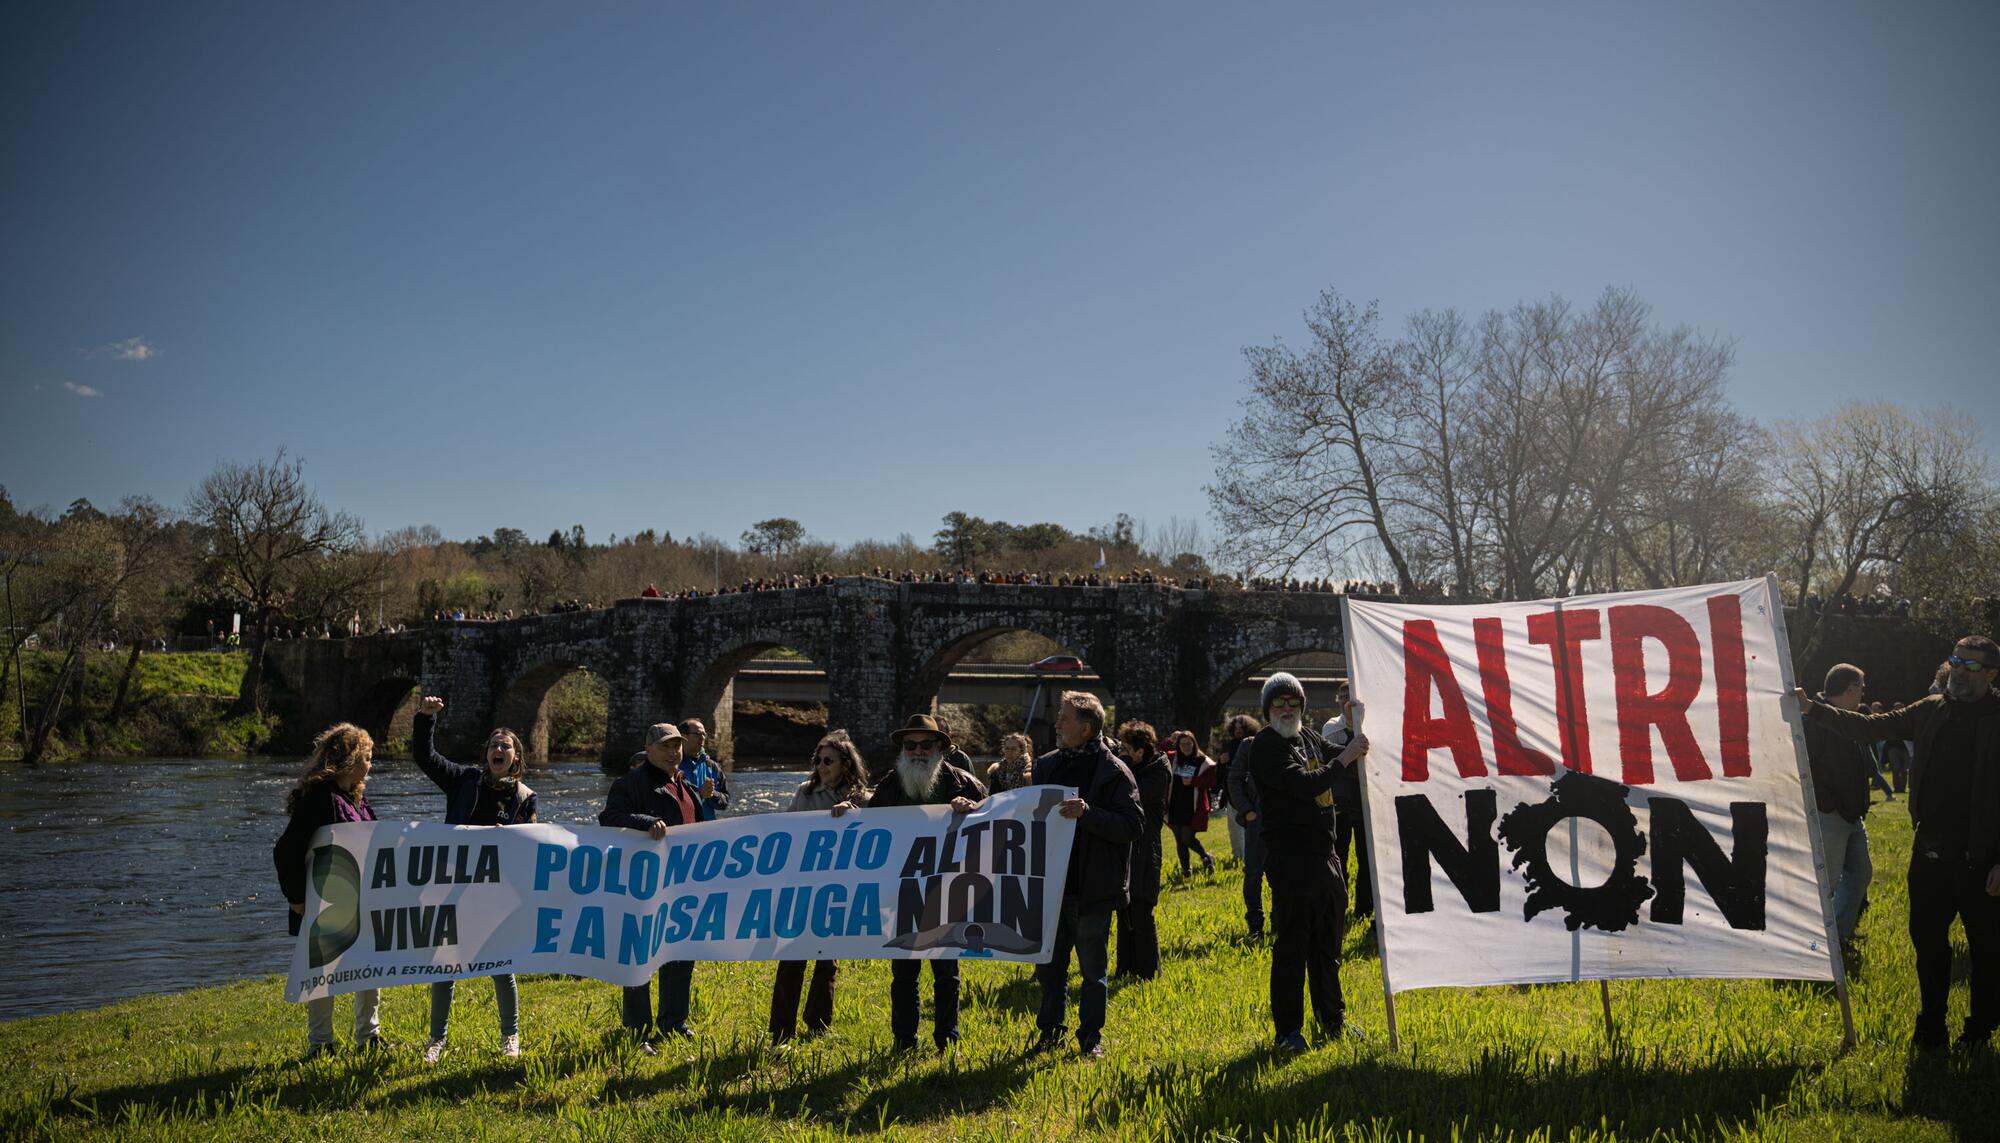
1295,771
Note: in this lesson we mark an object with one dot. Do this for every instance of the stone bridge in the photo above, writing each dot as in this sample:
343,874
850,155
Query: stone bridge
1169,656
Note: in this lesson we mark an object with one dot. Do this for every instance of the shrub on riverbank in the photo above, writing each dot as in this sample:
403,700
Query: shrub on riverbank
1189,1058
176,704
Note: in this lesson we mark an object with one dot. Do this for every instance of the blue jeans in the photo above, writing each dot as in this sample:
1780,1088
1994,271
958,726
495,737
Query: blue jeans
676,989
505,997
1253,871
1848,867
1090,935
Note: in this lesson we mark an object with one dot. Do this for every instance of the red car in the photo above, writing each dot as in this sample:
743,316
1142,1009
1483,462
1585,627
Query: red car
1058,663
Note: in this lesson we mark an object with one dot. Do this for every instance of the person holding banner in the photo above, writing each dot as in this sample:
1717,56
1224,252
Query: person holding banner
492,794
1955,859
1138,933
329,792
1098,881
654,797
922,777
1295,772
838,784
1840,790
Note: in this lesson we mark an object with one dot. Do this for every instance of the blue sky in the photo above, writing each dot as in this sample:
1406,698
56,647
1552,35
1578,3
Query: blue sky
690,266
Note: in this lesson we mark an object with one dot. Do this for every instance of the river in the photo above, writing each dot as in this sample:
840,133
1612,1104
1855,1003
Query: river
120,879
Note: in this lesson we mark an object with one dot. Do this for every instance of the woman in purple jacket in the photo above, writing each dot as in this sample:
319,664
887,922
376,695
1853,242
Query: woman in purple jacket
492,794
330,791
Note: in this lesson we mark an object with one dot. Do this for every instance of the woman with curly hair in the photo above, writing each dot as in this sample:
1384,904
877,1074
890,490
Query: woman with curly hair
491,794
839,783
329,792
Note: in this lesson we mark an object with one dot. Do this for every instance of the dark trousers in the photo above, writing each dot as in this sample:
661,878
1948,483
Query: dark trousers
1089,933
903,999
1253,873
1310,896
1349,830
676,989
785,998
1944,887
1138,941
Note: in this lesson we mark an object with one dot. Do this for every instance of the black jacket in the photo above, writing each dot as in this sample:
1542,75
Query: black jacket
1840,772
1243,793
644,796
1920,722
316,808
1100,863
953,782
1295,779
461,784
1155,780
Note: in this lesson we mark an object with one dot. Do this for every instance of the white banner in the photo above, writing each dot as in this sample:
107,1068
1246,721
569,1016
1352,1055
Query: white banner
405,902
1592,788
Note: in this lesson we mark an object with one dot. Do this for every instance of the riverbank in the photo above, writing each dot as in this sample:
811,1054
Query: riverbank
176,704
1188,1057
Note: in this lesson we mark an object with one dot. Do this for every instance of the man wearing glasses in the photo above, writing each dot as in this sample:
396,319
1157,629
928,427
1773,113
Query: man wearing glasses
923,778
1955,803
1295,771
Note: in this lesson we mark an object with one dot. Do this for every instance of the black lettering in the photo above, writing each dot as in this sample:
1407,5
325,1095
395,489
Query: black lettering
1474,868
1736,882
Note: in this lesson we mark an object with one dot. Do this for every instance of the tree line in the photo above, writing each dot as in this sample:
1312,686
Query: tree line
1553,449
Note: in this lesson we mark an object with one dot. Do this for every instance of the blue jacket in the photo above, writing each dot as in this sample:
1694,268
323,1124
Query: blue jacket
698,769
461,784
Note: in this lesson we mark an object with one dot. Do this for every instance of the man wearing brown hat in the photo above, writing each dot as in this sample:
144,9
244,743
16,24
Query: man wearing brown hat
923,778
653,797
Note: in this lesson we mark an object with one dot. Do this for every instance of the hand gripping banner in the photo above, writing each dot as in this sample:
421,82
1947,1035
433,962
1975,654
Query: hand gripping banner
1593,788
403,902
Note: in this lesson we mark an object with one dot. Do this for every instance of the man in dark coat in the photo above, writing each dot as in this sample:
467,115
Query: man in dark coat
1108,820
1955,804
1138,934
1295,773
653,797
1840,772
922,777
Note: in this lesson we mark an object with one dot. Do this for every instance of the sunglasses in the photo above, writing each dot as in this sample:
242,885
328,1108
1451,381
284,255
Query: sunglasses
826,761
1973,665
1287,704
921,744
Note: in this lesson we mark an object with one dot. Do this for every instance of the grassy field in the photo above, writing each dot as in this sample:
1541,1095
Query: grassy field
1188,1059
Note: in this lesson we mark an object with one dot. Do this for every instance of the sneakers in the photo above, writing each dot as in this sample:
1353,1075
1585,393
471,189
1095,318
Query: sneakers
1292,1042
1092,1052
646,1048
1050,1040
317,1050
510,1047
433,1051
375,1043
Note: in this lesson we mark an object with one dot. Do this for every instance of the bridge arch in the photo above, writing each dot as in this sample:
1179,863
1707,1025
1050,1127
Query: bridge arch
925,684
524,702
385,708
1230,676
710,693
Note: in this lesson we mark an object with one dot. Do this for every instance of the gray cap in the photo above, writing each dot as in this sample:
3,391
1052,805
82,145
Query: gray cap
1282,683
661,731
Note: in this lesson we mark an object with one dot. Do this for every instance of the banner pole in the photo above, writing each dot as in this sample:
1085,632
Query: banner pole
1604,994
1374,860
1839,966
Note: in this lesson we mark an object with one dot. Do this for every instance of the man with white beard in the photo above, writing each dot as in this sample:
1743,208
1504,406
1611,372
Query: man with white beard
1295,771
923,778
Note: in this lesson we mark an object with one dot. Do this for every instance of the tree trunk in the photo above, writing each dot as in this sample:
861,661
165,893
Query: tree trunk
124,686
51,710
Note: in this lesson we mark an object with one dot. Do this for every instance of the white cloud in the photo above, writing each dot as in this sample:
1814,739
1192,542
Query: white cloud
81,390
130,349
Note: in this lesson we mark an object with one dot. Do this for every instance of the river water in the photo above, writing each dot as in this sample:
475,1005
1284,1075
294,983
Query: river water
124,878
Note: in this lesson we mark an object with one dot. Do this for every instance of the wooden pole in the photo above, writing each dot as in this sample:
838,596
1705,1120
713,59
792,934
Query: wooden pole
1604,994
1374,859
1797,719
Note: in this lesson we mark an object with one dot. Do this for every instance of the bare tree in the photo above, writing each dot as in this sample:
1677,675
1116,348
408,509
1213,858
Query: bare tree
267,531
1309,471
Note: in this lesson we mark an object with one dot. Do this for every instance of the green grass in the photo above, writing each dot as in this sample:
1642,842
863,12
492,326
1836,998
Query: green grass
1188,1059
178,705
